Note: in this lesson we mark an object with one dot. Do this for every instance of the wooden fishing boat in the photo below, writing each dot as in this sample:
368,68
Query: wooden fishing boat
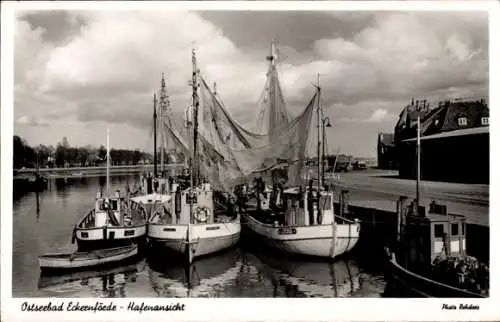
429,257
154,188
81,260
114,221
53,282
306,226
204,233
189,224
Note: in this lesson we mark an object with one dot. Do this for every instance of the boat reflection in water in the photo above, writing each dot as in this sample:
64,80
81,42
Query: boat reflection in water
206,277
236,273
293,277
110,282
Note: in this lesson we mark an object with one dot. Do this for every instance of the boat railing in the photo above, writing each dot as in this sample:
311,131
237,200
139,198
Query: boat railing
347,220
88,220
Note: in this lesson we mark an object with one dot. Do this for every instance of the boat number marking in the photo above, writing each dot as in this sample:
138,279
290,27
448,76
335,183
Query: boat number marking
213,228
85,234
129,233
287,231
169,229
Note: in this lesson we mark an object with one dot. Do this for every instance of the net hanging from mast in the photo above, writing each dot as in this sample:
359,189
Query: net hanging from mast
229,152
250,152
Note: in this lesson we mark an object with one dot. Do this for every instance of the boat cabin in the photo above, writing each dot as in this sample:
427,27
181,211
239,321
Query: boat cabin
108,210
201,199
151,184
302,205
434,234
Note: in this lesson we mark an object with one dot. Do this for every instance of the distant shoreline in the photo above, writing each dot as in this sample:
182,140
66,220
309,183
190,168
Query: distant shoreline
81,172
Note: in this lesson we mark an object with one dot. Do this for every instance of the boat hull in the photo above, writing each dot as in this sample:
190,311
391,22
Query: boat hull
414,285
315,240
55,263
106,237
203,240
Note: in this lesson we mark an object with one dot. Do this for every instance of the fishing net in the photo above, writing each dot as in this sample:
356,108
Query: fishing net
229,153
245,152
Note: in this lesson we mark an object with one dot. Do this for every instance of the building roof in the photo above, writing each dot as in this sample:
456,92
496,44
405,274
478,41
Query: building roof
469,131
386,138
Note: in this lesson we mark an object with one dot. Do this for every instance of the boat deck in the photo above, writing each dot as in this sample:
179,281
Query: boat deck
135,218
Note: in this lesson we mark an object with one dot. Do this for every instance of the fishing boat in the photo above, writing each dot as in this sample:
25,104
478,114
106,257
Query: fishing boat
114,221
54,283
429,257
295,218
191,224
308,224
154,189
81,260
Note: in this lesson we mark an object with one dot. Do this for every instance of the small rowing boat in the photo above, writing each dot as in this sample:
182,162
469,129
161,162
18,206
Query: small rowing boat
79,260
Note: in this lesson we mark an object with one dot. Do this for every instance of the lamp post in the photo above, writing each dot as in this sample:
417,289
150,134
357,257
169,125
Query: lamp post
326,123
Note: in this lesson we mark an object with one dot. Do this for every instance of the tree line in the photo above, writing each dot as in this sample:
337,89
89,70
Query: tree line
64,155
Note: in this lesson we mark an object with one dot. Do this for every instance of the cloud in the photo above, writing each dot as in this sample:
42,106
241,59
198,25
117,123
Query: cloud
379,115
107,68
27,120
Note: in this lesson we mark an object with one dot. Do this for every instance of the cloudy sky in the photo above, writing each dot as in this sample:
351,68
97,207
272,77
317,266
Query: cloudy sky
80,72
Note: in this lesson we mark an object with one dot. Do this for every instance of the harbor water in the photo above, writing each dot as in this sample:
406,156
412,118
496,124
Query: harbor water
43,222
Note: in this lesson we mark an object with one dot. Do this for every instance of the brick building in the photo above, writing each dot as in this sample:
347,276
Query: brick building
386,151
454,142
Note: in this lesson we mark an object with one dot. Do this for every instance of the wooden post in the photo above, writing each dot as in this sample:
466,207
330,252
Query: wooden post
345,203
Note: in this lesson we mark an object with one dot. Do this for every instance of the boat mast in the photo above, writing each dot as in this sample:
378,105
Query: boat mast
155,170
108,163
418,160
319,135
164,105
194,163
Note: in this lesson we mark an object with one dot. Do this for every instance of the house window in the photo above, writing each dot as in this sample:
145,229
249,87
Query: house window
485,121
462,121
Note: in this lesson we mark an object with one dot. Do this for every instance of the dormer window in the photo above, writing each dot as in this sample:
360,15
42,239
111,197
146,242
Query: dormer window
462,121
485,120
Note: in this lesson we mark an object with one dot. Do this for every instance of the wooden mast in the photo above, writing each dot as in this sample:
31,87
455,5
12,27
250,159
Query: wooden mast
193,171
319,135
418,161
108,163
196,103
155,171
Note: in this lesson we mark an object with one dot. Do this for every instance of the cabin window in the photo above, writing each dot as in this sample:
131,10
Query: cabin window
462,121
438,230
114,204
454,229
191,199
485,121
